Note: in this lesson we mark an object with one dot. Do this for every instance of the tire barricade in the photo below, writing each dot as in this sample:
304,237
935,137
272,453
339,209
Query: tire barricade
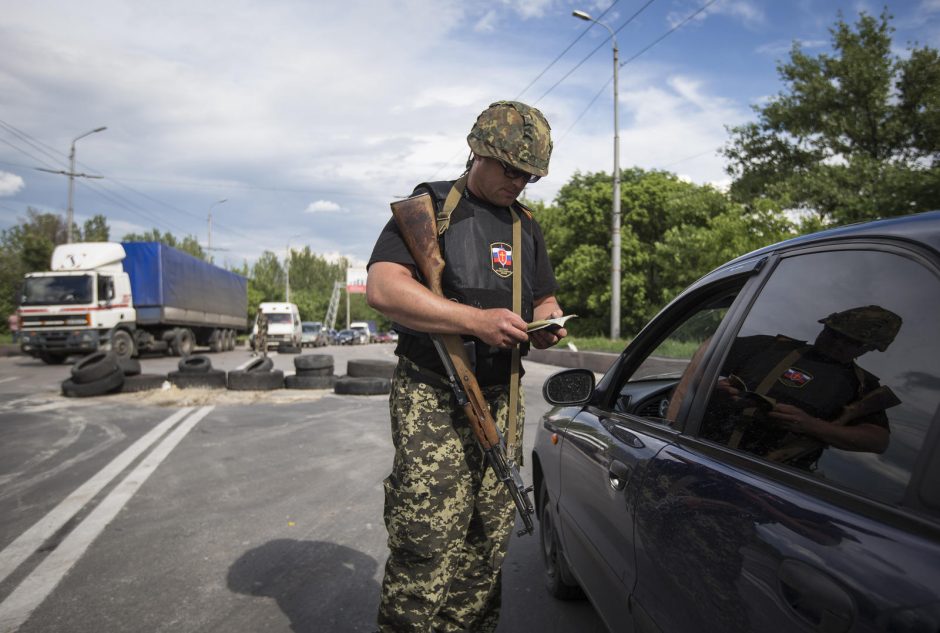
313,371
94,375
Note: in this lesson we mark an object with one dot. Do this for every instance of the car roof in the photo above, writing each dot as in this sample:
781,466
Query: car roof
922,228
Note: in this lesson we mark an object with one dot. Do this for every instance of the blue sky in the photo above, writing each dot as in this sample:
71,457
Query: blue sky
309,117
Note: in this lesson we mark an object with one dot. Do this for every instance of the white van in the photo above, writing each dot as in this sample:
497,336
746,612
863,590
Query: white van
283,323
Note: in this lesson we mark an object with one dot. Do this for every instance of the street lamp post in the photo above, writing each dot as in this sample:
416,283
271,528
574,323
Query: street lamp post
615,219
72,175
209,236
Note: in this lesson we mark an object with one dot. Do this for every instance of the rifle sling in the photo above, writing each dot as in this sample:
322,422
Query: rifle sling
513,413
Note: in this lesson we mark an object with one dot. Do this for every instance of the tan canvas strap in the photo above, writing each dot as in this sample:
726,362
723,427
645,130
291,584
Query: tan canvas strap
513,416
764,387
450,203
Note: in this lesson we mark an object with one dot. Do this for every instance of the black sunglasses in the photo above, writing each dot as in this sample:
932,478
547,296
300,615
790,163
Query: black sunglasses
512,173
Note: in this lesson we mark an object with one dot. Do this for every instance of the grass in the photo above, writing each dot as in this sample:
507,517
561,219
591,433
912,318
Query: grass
5,338
670,348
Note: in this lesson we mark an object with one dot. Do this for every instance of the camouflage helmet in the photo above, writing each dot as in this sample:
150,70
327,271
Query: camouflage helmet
515,133
872,325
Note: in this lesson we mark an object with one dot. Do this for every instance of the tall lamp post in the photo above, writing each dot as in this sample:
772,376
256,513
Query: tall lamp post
209,236
615,214
71,174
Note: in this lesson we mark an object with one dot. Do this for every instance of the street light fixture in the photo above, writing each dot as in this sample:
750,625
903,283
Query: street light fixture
615,214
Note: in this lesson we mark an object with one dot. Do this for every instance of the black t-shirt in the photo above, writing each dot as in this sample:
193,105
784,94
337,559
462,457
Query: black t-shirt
491,370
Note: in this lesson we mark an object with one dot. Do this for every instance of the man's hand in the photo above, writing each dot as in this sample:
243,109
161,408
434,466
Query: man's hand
546,337
794,419
500,327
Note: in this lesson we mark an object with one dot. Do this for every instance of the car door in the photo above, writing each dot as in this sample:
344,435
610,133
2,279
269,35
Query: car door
607,446
741,535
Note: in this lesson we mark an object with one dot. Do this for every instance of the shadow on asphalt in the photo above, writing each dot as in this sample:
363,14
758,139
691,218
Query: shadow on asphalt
319,586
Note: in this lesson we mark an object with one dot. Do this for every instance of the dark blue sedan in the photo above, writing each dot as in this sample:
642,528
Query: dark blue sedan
765,455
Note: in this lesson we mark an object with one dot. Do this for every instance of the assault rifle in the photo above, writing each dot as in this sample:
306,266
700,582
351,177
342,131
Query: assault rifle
417,222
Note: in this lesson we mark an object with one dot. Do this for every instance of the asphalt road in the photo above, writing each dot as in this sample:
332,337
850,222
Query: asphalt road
204,510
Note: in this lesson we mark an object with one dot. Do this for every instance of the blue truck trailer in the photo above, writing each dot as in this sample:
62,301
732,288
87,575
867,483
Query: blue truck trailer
130,297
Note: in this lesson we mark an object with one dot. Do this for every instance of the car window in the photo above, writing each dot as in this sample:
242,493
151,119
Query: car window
835,370
656,388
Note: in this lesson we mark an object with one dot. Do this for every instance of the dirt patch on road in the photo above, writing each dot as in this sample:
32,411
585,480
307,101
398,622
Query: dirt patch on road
172,396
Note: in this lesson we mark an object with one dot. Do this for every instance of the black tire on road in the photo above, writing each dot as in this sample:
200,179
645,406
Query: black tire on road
314,361
130,366
370,368
194,364
122,344
355,386
256,380
288,348
94,367
258,365
326,371
558,578
299,381
212,379
142,382
107,384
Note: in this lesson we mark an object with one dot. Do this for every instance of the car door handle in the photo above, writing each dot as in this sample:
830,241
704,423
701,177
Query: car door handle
618,475
816,596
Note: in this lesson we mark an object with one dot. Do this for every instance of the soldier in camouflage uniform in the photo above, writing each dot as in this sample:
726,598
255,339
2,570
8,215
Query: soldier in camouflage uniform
448,518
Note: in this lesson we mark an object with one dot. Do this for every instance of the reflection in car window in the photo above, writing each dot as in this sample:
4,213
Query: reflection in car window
835,370
657,386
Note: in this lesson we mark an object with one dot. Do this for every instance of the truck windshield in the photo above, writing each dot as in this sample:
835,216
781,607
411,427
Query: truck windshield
68,289
279,317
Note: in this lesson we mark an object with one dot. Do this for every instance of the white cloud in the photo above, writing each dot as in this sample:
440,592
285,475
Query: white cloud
746,11
322,205
10,183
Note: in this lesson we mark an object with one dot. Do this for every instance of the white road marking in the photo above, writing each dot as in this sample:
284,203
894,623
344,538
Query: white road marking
9,379
32,539
34,589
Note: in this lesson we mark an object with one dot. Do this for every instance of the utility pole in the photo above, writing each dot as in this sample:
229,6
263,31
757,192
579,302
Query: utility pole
209,236
72,175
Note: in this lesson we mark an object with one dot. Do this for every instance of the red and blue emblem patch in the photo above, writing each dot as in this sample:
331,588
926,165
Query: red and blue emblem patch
501,257
794,377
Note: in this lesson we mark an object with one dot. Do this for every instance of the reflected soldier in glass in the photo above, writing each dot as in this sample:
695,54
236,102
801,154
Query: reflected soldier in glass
788,400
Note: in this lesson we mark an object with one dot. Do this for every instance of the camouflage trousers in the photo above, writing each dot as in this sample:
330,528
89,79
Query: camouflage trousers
448,518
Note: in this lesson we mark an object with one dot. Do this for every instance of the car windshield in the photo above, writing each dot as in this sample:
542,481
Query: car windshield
278,317
311,329
67,289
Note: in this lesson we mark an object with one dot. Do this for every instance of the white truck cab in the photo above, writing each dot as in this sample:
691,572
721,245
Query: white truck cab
283,323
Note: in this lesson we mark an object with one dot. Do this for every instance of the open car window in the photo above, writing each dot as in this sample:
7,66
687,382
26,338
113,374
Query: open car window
654,390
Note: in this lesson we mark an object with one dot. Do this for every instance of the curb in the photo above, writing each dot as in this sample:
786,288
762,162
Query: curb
598,362
10,349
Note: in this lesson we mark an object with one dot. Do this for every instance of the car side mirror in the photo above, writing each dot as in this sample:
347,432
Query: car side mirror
569,387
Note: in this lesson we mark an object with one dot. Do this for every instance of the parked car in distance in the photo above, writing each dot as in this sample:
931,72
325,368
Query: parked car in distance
764,455
365,332
311,334
383,337
348,337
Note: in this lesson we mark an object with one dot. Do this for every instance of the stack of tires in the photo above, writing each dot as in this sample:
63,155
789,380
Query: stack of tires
94,375
285,347
196,372
366,377
314,371
135,381
258,375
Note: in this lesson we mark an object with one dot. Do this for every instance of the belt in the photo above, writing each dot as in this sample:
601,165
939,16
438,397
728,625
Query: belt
425,375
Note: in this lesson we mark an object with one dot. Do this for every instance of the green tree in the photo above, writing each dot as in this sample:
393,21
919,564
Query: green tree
577,235
853,136
188,244
96,229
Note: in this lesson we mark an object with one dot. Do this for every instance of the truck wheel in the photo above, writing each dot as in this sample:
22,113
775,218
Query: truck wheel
255,380
107,384
122,344
183,342
309,362
366,368
94,367
217,341
303,381
52,359
212,379
229,340
195,365
362,386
